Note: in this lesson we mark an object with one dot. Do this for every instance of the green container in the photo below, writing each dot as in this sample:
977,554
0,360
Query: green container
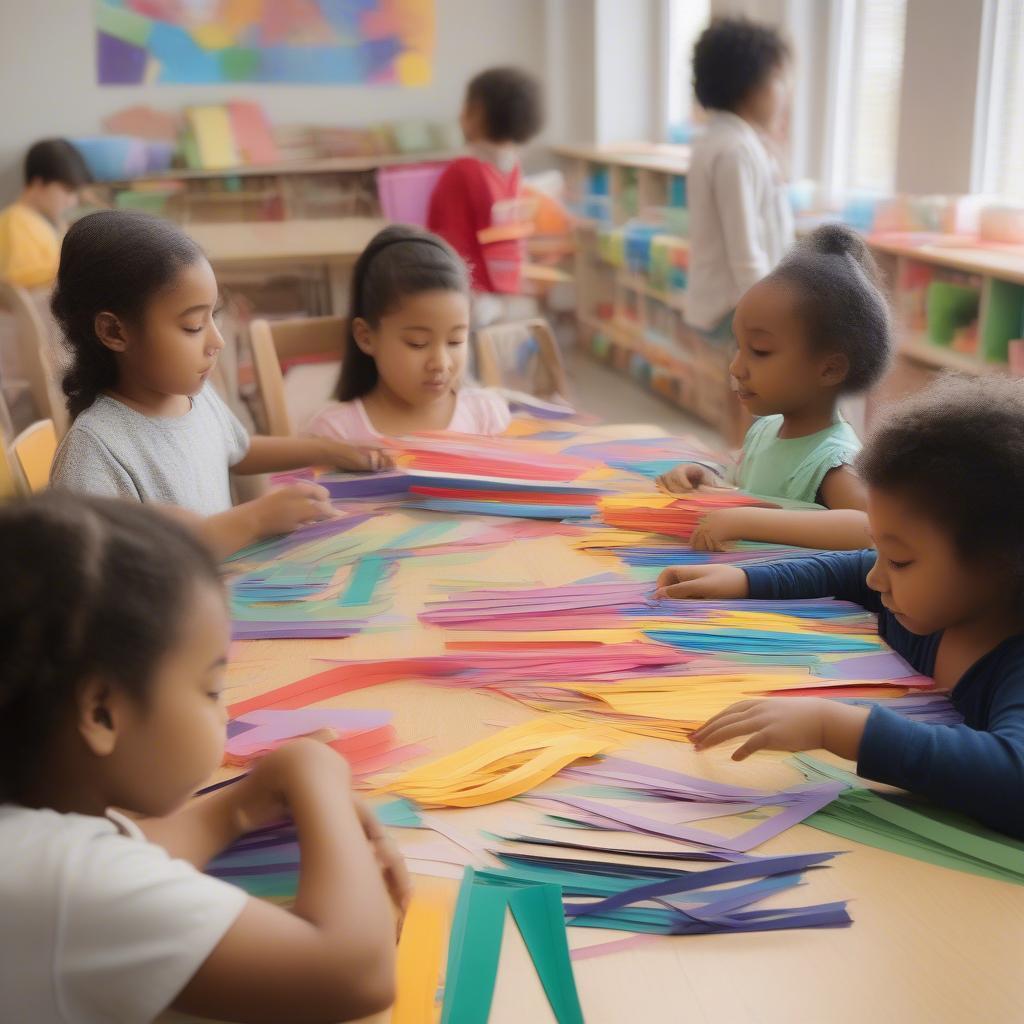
949,307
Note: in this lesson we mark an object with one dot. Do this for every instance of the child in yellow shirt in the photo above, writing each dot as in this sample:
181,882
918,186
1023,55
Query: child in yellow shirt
31,227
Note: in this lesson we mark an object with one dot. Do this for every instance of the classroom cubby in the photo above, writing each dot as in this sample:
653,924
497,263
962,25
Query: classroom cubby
632,262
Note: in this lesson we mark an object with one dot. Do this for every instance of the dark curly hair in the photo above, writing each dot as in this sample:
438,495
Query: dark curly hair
840,294
56,160
113,261
91,586
399,261
955,450
510,102
732,58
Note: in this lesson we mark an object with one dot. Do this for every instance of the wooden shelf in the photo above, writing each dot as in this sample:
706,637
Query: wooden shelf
917,348
664,158
327,165
1003,261
638,283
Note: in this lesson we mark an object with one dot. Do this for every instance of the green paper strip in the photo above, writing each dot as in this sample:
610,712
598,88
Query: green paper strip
473,953
368,573
541,920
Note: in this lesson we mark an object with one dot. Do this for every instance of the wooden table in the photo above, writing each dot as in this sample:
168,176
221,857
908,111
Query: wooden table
927,943
267,245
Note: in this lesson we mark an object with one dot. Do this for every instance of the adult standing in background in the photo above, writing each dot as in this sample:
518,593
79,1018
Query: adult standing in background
741,223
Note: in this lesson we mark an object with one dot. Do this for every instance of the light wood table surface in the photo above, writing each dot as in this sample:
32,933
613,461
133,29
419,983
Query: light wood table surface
927,944
334,244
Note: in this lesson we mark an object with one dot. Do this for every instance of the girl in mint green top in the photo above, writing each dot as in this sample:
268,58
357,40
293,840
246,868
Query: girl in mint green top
815,329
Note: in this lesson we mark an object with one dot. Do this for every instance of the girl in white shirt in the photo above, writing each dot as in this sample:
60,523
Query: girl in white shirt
740,220
115,632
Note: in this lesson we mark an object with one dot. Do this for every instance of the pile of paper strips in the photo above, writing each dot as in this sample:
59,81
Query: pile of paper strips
512,762
675,517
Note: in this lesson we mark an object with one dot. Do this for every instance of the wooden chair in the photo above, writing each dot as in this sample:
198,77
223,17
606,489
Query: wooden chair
10,480
35,354
523,356
276,343
32,451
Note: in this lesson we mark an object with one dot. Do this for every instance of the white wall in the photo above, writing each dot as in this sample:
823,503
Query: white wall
48,78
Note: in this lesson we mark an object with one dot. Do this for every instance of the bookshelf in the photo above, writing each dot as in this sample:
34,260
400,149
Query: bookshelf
630,271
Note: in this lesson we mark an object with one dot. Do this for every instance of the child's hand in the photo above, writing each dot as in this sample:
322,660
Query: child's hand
389,859
687,476
264,794
786,723
351,457
286,508
716,529
702,581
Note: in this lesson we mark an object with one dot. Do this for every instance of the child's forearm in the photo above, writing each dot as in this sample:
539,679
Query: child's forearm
341,890
843,729
831,529
278,454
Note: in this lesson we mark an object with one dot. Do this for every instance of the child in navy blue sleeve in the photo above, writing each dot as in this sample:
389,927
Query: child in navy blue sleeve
945,478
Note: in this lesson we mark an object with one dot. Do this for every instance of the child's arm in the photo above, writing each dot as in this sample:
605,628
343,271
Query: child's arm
841,529
333,957
277,454
842,575
279,511
979,772
842,488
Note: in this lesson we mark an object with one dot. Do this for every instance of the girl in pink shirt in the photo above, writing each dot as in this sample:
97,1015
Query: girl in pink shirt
406,346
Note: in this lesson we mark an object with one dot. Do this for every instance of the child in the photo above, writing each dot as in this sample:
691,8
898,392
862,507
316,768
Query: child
945,477
135,299
740,220
477,206
405,347
813,330
115,632
30,228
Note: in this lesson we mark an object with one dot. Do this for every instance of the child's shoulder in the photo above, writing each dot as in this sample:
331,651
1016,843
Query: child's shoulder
85,899
342,421
482,411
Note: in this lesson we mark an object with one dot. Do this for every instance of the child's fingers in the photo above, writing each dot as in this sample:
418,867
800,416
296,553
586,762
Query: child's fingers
741,725
732,709
687,589
758,741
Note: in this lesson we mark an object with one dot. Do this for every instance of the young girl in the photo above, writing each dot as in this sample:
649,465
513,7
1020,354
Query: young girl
813,330
135,298
115,632
945,478
405,347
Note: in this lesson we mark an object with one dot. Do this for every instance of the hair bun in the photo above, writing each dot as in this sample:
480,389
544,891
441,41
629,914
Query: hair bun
836,240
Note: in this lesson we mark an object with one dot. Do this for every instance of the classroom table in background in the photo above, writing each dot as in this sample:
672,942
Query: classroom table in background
926,943
333,245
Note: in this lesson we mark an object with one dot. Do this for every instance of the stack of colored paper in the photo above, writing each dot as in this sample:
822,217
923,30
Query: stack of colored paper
675,517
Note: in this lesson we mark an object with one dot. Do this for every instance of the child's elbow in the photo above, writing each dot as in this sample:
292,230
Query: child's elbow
367,984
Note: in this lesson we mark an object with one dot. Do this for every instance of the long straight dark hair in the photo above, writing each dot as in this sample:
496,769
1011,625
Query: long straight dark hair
400,261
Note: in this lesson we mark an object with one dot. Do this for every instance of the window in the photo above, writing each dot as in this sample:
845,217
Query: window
999,115
866,50
685,20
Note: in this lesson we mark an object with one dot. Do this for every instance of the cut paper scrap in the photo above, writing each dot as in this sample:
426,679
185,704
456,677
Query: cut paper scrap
648,456
913,828
265,863
470,668
507,458
365,738
689,902
793,805
673,516
418,967
475,948
502,766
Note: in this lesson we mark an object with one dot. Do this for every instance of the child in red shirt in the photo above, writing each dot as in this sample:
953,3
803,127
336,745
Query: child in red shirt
477,206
